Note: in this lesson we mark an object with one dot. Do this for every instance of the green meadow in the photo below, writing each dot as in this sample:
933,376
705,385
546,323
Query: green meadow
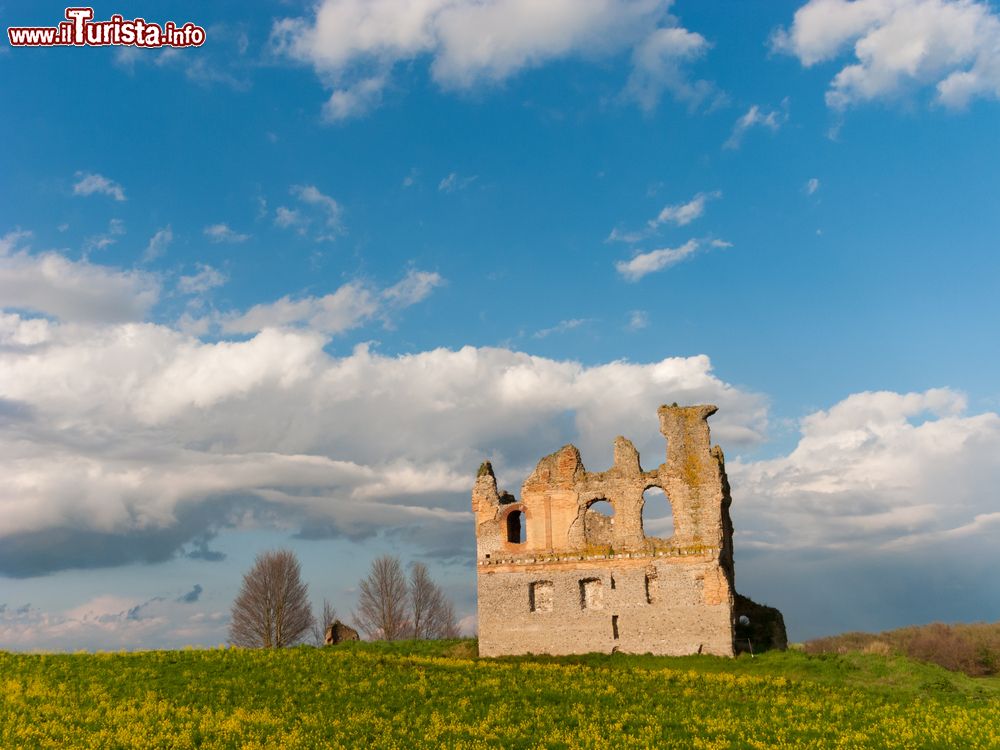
438,694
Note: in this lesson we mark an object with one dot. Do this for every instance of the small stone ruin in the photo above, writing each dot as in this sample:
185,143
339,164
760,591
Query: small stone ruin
556,576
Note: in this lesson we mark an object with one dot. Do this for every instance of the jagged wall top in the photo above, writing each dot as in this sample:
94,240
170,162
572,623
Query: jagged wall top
555,513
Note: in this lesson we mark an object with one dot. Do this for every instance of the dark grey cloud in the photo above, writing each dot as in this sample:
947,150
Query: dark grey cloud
836,592
191,596
40,553
135,613
201,551
15,411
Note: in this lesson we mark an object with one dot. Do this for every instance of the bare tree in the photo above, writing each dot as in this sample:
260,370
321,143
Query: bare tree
382,605
322,622
272,608
445,624
431,614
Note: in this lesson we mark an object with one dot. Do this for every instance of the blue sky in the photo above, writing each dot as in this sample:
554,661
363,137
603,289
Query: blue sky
289,288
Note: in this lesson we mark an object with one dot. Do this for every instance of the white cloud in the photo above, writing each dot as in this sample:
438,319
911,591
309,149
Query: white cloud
655,260
355,100
679,214
898,46
89,184
561,327
116,228
158,244
225,62
354,44
224,233
349,307
415,287
879,470
454,181
621,235
323,211
156,439
311,195
683,214
205,279
755,117
75,291
637,320
811,186
288,218
110,621
659,63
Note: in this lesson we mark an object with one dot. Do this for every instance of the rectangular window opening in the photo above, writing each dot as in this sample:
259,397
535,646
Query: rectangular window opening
614,626
540,596
591,593
652,587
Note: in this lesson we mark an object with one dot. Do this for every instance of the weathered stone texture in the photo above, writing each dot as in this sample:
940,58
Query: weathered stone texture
338,632
580,581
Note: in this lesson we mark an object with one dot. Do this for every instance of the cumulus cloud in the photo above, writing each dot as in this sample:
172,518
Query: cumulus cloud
811,186
683,214
354,44
156,443
356,99
660,64
757,117
884,514
224,233
158,244
655,260
880,470
348,307
415,287
313,196
319,211
52,284
290,218
899,46
205,279
109,621
88,184
562,326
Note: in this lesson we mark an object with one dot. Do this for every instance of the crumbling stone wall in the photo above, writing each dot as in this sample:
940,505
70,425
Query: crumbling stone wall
557,577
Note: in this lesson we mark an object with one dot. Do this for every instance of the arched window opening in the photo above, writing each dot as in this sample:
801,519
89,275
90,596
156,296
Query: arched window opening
599,523
603,507
657,515
515,527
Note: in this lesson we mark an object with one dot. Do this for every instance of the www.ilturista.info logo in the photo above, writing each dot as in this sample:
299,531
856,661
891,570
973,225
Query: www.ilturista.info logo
80,30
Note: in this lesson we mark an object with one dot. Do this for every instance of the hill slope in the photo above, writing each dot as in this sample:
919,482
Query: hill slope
410,695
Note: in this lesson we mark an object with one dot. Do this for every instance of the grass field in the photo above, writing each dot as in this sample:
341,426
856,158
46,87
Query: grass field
436,694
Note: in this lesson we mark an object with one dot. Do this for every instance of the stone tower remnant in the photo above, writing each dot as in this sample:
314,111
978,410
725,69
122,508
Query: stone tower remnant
557,577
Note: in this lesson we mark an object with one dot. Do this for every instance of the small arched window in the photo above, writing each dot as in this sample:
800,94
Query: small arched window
515,527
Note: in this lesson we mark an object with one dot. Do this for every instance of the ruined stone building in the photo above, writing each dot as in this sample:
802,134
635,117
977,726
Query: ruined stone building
555,576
